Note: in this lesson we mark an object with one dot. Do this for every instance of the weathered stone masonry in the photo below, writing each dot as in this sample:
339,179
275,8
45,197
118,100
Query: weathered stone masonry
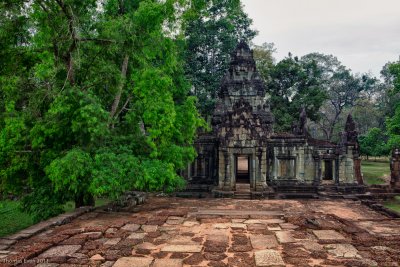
242,134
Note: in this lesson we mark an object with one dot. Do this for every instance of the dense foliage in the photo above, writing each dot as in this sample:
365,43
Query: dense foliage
93,101
393,122
212,32
294,84
325,88
374,143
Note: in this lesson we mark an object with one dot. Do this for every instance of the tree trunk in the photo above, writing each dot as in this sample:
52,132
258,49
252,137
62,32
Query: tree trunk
83,200
71,70
117,98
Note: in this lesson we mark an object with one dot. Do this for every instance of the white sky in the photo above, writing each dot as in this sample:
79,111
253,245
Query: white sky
362,34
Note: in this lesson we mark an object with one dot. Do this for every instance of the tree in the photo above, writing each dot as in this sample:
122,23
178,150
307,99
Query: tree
265,62
374,143
294,85
344,92
212,31
89,105
393,122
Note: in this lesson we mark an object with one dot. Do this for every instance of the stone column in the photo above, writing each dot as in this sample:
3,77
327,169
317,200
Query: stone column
300,163
337,164
261,182
227,164
189,171
357,171
317,171
203,165
395,168
195,167
232,174
221,168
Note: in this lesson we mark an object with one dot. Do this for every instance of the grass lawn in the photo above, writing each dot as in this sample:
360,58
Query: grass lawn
13,220
393,204
374,171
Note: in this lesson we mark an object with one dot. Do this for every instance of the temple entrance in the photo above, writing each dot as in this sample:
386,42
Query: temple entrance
243,170
328,170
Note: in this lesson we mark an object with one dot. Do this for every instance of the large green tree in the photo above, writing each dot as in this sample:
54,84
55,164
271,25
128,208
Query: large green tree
265,61
393,122
94,100
212,30
345,91
374,143
294,85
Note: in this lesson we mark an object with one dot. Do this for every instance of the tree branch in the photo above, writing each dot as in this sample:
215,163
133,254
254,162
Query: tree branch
124,106
117,98
69,59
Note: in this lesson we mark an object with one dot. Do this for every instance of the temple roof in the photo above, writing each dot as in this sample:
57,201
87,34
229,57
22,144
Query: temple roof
242,78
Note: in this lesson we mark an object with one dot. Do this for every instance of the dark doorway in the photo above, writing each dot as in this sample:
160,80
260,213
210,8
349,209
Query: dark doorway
242,170
328,172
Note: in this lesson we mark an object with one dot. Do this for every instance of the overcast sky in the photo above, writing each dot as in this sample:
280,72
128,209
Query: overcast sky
362,34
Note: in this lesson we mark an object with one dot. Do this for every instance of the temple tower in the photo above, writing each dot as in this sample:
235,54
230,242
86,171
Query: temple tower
242,123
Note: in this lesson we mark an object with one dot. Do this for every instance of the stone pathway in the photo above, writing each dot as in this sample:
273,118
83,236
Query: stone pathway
169,232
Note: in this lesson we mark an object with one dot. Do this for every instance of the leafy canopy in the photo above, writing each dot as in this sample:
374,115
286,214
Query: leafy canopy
94,100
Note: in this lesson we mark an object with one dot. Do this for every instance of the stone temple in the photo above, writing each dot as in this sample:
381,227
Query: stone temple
242,156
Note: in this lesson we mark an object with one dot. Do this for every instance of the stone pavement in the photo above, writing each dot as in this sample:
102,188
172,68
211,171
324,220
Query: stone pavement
169,232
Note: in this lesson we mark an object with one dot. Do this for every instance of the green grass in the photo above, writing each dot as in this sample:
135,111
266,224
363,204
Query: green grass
393,204
13,220
374,171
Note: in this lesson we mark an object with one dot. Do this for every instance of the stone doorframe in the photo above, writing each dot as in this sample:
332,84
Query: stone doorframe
253,165
227,172
252,174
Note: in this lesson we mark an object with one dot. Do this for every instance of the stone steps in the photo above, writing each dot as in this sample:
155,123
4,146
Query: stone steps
242,191
296,195
243,187
242,195
271,214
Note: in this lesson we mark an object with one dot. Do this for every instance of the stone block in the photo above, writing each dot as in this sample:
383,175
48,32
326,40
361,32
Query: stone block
328,235
112,241
268,257
285,237
311,245
221,225
97,257
182,248
147,246
190,223
274,228
131,227
137,236
175,220
239,226
263,241
149,228
133,262
288,226
7,242
60,251
168,263
343,250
